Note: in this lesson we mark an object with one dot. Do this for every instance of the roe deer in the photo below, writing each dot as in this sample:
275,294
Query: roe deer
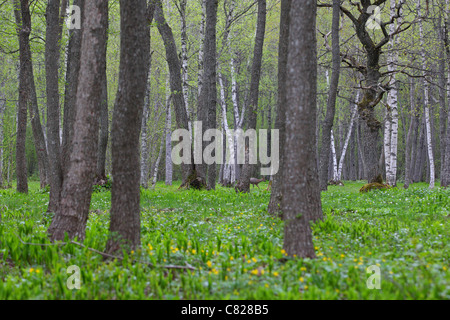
255,182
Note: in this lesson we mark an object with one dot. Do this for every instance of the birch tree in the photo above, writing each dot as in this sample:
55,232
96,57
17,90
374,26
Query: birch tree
347,139
331,103
391,121
244,180
426,98
176,86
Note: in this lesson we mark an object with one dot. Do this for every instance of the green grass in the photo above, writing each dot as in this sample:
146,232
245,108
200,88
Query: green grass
236,247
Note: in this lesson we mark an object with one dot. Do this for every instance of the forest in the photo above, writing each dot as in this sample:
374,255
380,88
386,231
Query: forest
225,150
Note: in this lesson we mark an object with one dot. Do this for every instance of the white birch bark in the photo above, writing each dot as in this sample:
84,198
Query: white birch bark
229,167
184,62
426,100
391,128
333,145
158,160
333,154
387,141
238,117
347,139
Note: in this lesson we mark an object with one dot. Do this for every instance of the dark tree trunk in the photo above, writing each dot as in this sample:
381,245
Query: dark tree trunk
104,129
412,136
23,30
420,153
332,94
243,184
175,80
362,163
125,226
442,110
209,89
52,52
22,13
353,159
73,69
2,122
73,210
280,122
145,139
445,140
301,194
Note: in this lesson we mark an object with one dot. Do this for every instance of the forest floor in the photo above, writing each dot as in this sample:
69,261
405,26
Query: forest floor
235,247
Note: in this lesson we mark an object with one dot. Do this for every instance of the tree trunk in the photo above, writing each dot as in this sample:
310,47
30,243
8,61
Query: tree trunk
200,52
332,172
2,121
184,61
445,177
412,135
73,70
280,122
104,123
73,211
155,170
23,31
301,194
332,94
208,95
125,226
252,109
442,93
52,53
22,13
420,149
391,128
175,80
347,139
426,103
168,136
104,130
145,148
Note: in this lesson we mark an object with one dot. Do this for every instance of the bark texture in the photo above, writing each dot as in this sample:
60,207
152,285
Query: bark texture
23,30
125,225
23,20
280,123
332,94
301,202
243,184
176,86
73,210
73,70
52,53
